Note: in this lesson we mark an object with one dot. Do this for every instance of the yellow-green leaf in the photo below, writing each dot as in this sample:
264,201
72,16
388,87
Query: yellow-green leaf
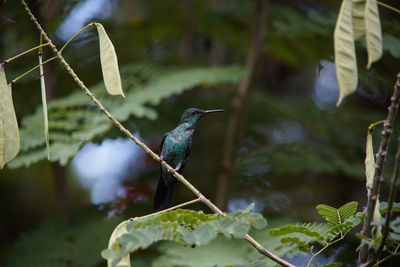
44,104
375,219
345,55
358,18
369,163
114,246
9,133
373,32
109,63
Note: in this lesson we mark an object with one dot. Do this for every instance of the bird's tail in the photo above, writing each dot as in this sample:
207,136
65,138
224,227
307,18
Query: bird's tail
163,194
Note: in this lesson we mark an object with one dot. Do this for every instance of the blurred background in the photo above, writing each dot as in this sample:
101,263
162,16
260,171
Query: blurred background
281,143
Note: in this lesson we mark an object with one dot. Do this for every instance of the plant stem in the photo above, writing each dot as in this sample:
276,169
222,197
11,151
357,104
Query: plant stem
76,34
34,68
378,176
24,53
372,126
390,200
322,249
125,131
389,7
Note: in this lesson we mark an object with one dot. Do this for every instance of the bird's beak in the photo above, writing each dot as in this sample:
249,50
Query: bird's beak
213,110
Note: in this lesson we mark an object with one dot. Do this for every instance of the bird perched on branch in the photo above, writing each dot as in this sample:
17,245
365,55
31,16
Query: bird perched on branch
175,150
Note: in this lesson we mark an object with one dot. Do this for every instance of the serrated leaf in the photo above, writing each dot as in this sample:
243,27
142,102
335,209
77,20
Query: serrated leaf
358,11
44,104
186,227
109,63
9,132
369,163
345,55
373,32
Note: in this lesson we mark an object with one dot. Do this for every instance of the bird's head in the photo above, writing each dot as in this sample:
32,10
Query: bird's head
193,115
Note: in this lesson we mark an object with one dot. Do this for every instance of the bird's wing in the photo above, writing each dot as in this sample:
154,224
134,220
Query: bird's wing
163,141
187,155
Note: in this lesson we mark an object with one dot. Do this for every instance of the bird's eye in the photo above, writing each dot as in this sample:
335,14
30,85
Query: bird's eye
192,112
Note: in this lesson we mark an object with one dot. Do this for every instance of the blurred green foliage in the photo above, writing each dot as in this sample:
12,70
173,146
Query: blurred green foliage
296,153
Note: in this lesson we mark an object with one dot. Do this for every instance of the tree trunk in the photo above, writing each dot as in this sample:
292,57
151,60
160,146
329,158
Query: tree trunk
236,120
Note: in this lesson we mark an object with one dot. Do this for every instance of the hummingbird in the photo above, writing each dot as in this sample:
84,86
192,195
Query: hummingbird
175,150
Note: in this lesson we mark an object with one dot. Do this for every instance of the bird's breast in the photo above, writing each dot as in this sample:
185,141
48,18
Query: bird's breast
174,149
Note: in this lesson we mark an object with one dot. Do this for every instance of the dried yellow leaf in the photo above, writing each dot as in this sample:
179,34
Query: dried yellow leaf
44,104
358,12
345,55
9,133
109,63
369,163
373,32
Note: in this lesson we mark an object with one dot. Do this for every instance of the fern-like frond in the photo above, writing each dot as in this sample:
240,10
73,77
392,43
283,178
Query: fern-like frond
74,120
335,216
186,227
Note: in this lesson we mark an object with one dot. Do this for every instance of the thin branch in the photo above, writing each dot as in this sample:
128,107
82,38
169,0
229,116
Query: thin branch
202,198
372,126
76,34
32,69
24,53
389,7
169,209
390,200
378,176
322,249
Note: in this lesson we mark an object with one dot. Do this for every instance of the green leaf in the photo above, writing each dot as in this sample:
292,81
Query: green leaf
383,207
348,210
186,227
109,63
290,229
330,214
358,11
345,55
373,32
369,163
395,225
335,216
9,133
